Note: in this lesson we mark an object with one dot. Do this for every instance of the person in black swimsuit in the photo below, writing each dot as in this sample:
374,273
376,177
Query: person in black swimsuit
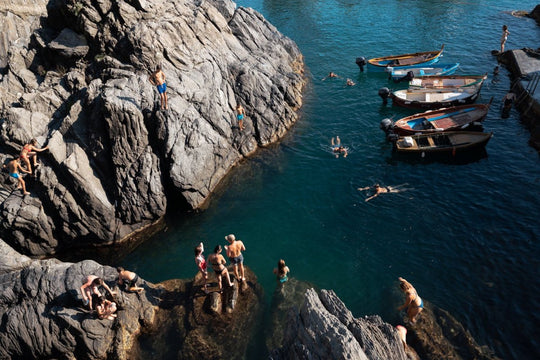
218,265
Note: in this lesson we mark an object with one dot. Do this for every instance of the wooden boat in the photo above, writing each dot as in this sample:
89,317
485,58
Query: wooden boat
435,98
452,118
427,57
396,73
444,143
447,81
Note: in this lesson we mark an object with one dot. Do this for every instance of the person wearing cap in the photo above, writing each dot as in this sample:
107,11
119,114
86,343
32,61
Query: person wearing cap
234,252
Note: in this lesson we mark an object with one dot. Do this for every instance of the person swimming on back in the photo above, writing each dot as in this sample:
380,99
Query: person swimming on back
337,148
381,190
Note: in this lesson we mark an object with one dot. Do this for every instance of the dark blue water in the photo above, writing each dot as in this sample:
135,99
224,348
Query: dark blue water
466,235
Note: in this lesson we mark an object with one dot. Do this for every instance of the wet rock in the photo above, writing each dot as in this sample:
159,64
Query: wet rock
438,335
535,13
116,162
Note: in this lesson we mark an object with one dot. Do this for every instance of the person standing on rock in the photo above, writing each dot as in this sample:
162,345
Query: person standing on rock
218,265
234,252
128,279
201,264
158,79
240,114
30,151
504,37
90,289
413,302
14,167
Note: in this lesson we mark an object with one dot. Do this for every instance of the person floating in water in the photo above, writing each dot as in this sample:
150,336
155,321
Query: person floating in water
202,264
281,271
504,37
158,79
29,151
14,167
337,148
240,114
413,302
508,100
350,82
330,75
128,279
380,190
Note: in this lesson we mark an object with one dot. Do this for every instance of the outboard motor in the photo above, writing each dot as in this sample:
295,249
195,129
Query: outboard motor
386,125
384,93
408,77
361,62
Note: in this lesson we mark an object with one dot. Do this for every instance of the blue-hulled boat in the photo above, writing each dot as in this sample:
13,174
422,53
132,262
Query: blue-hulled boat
397,73
427,57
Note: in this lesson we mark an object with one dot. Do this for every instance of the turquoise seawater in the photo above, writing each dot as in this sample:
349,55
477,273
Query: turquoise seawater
466,235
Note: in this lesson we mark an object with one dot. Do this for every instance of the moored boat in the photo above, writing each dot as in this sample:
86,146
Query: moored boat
401,73
447,81
427,57
435,98
443,143
446,119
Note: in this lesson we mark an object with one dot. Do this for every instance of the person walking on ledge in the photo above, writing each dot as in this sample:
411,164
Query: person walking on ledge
158,79
413,302
234,252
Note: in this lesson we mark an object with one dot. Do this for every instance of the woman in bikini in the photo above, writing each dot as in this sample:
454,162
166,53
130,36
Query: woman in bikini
281,271
413,302
30,151
218,265
202,264
105,309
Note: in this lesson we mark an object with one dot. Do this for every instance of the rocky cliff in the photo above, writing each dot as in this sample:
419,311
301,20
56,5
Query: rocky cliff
76,78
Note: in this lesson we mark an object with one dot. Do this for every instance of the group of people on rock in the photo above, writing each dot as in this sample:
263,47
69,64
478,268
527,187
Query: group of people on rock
97,301
28,157
234,253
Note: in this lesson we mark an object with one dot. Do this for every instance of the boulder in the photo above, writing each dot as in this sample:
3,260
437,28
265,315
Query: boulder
116,163
535,14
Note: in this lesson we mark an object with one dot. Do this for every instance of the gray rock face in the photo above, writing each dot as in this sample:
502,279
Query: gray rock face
42,315
324,328
80,85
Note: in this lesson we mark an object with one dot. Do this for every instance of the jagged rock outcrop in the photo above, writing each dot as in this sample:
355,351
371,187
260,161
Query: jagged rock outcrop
41,315
77,81
535,13
323,328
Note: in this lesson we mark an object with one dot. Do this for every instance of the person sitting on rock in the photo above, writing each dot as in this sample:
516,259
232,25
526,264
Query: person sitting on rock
90,290
413,303
30,151
105,309
218,265
128,279
14,167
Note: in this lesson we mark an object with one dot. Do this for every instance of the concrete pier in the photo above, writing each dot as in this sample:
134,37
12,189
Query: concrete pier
525,68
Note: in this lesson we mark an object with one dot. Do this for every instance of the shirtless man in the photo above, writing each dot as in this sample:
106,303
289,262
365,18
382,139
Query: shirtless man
380,190
337,148
129,279
30,151
90,287
234,252
14,167
158,79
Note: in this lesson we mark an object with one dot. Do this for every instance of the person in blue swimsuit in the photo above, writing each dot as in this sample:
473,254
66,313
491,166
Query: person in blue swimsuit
158,79
240,114
413,303
281,271
14,166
